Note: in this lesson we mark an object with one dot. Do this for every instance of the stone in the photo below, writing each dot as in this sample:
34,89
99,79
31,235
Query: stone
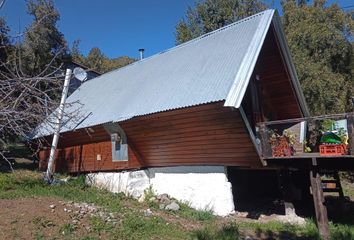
172,206
148,213
160,196
65,210
162,206
242,214
141,199
52,206
165,199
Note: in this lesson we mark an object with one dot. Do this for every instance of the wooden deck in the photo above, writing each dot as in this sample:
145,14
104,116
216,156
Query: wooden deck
318,145
286,142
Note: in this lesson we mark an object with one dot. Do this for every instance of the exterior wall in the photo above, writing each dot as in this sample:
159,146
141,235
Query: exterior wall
278,94
202,135
202,187
79,151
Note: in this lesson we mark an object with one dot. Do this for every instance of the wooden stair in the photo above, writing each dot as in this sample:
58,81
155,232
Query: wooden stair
332,185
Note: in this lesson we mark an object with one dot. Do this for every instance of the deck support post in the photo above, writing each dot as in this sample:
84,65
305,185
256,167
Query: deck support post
319,202
350,124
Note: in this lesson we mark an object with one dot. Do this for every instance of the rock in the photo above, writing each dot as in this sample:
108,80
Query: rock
52,206
141,198
242,214
162,206
165,199
53,210
172,207
65,210
248,238
148,213
160,196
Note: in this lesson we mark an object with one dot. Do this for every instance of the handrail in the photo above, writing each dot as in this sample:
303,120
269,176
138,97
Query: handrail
322,117
264,135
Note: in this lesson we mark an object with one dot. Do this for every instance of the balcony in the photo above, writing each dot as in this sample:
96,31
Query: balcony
329,137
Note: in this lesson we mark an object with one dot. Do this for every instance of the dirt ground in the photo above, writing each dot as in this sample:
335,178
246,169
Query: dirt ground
33,218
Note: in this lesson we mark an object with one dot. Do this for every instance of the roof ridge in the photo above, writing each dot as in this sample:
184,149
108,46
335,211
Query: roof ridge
214,31
190,41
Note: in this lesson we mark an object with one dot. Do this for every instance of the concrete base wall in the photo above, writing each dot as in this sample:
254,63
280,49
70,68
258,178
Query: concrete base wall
202,187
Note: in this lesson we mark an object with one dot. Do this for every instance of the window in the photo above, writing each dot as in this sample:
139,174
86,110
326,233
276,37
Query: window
119,147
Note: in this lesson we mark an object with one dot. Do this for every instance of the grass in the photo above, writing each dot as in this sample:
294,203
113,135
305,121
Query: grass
227,232
134,225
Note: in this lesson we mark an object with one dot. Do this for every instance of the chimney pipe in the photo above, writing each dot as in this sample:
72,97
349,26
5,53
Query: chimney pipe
141,50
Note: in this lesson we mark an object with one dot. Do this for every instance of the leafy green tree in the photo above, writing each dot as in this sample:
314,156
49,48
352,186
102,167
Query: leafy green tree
96,60
319,40
42,40
212,14
75,53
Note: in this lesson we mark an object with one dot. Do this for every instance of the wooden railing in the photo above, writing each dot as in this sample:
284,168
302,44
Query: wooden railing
304,137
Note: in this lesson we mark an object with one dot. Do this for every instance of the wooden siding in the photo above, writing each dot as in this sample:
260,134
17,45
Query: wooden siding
202,135
78,150
277,88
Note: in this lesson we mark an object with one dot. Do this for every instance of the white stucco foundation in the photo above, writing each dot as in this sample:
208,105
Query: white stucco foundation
202,187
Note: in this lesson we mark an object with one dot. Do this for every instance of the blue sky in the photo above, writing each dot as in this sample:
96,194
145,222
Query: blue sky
117,27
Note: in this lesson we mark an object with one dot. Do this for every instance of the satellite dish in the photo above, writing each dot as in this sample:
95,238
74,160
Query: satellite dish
80,74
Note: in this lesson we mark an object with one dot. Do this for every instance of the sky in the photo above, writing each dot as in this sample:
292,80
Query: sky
117,27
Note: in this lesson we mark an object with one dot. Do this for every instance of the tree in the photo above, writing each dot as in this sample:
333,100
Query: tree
4,40
96,60
319,40
43,42
29,79
212,14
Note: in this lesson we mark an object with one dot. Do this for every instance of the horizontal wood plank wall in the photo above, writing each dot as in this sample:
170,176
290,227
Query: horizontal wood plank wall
275,80
202,135
78,150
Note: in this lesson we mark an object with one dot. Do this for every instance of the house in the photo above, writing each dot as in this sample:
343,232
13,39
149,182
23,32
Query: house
184,120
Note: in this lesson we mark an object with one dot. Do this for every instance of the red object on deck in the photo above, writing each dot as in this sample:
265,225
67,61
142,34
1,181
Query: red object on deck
332,149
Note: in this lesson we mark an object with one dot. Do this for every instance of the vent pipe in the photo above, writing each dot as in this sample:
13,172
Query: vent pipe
141,50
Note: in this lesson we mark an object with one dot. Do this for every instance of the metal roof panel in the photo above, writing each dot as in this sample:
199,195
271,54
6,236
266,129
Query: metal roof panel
210,68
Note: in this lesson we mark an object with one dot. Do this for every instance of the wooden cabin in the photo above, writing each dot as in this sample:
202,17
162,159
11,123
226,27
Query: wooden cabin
203,103
195,104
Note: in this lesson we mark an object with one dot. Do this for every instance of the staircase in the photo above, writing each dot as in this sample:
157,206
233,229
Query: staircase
331,184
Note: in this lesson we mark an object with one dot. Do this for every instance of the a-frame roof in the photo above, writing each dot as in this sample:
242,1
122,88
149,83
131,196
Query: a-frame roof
214,67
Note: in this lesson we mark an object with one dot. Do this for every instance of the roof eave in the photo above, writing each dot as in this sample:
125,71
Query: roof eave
243,76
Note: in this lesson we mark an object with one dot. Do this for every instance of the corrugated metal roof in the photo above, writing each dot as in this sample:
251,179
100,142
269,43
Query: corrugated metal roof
216,66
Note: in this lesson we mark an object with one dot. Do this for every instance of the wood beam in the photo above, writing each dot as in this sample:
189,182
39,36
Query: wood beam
319,202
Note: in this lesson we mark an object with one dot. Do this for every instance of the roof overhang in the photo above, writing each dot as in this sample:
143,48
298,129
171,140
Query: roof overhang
238,90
